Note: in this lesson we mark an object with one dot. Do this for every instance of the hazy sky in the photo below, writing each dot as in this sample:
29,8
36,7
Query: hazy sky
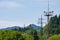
20,12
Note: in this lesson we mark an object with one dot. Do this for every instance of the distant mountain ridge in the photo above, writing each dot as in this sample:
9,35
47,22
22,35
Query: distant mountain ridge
11,28
18,27
34,26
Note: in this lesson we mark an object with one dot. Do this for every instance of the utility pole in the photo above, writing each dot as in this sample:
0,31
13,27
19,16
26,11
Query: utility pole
40,22
48,14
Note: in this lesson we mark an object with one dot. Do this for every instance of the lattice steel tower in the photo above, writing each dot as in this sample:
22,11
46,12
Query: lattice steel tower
48,14
40,23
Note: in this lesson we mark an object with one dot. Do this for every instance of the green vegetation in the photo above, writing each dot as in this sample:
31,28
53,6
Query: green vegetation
31,34
10,35
55,37
14,35
54,25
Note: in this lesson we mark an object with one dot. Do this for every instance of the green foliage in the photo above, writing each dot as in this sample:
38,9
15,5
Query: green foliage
54,25
10,35
35,35
14,35
31,34
28,37
55,37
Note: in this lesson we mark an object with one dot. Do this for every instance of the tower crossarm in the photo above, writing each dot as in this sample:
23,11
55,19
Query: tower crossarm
49,13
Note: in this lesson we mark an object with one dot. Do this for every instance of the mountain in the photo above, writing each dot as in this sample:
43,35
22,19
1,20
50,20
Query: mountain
11,28
34,26
25,28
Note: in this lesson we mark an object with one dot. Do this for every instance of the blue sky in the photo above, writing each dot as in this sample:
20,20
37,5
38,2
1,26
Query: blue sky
20,12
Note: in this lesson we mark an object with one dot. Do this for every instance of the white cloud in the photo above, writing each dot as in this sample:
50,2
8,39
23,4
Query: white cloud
10,4
4,24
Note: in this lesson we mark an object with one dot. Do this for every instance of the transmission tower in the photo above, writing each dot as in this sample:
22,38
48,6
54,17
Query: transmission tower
40,23
48,14
24,25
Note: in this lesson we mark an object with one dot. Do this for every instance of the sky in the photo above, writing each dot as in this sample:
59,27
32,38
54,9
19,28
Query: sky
20,12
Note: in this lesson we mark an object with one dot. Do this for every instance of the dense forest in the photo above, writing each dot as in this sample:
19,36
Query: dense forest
54,28
54,25
32,34
27,34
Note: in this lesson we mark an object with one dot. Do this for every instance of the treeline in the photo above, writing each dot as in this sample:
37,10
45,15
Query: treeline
17,34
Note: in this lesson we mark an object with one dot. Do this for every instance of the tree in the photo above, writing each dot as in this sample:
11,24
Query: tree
53,25
55,37
10,35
